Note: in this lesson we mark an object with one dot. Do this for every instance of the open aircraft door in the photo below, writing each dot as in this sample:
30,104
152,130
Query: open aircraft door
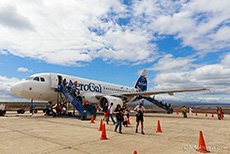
54,80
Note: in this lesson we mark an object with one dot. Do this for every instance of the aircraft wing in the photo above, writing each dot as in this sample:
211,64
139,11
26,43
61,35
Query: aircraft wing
170,92
130,96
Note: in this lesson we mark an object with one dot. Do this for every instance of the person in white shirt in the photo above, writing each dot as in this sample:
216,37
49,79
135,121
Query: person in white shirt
110,108
140,110
190,111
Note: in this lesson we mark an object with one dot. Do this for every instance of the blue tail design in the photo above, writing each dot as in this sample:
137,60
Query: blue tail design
141,84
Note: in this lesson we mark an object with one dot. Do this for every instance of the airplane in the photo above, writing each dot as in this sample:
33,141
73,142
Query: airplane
43,87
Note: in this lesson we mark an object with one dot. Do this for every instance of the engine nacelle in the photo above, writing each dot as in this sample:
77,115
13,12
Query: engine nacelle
90,97
109,100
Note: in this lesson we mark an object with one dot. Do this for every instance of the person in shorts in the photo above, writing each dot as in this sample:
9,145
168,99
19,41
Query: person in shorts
140,110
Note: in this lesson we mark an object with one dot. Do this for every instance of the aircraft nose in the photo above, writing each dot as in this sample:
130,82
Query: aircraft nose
17,89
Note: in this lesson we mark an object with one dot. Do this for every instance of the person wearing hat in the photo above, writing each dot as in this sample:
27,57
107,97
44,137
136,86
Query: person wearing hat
74,88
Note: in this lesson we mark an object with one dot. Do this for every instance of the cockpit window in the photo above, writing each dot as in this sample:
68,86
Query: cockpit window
30,78
42,79
36,79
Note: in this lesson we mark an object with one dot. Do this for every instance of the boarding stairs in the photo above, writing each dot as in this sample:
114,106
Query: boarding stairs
85,112
157,103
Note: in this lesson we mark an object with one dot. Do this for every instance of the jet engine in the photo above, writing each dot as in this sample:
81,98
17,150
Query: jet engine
109,100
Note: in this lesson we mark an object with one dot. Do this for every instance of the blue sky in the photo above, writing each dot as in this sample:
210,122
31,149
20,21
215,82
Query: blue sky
183,44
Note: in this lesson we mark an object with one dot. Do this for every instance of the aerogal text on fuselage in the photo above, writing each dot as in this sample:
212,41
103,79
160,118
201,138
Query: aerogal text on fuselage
90,87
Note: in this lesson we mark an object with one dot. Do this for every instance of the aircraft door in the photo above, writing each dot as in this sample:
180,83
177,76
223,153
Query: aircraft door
54,80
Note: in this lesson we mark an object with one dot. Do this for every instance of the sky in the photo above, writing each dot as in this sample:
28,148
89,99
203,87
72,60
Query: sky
184,44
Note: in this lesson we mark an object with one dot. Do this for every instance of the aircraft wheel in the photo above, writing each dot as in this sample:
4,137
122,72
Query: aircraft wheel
49,112
35,111
23,111
82,117
4,112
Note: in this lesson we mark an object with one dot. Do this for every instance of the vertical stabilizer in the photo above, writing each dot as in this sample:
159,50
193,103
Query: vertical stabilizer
141,84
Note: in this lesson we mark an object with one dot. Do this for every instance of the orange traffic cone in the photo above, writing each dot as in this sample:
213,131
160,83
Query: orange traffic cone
128,122
135,152
92,119
103,133
158,127
221,116
177,112
206,114
202,146
212,115
196,114
100,128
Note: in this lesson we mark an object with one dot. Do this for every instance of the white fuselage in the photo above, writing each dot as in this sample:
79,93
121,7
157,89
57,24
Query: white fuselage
42,87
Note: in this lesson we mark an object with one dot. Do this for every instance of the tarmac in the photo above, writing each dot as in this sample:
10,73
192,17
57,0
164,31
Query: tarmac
39,134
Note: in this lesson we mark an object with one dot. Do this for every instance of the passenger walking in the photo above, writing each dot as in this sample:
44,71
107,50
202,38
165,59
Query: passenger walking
64,82
140,110
170,105
73,89
190,111
184,112
83,99
221,112
126,116
126,112
78,92
78,95
105,109
110,108
125,122
85,103
119,118
218,113
166,104
162,102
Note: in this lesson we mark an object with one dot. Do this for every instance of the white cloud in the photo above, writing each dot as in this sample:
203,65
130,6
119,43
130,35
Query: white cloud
226,61
5,94
10,18
170,64
66,33
71,32
22,69
203,25
213,76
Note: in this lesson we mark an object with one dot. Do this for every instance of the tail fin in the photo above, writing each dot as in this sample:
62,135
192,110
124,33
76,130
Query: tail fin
142,81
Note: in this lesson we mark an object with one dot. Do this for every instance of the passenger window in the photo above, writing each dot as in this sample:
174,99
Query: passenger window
42,79
36,79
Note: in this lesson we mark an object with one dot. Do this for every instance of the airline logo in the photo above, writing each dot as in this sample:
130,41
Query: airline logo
142,84
90,87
